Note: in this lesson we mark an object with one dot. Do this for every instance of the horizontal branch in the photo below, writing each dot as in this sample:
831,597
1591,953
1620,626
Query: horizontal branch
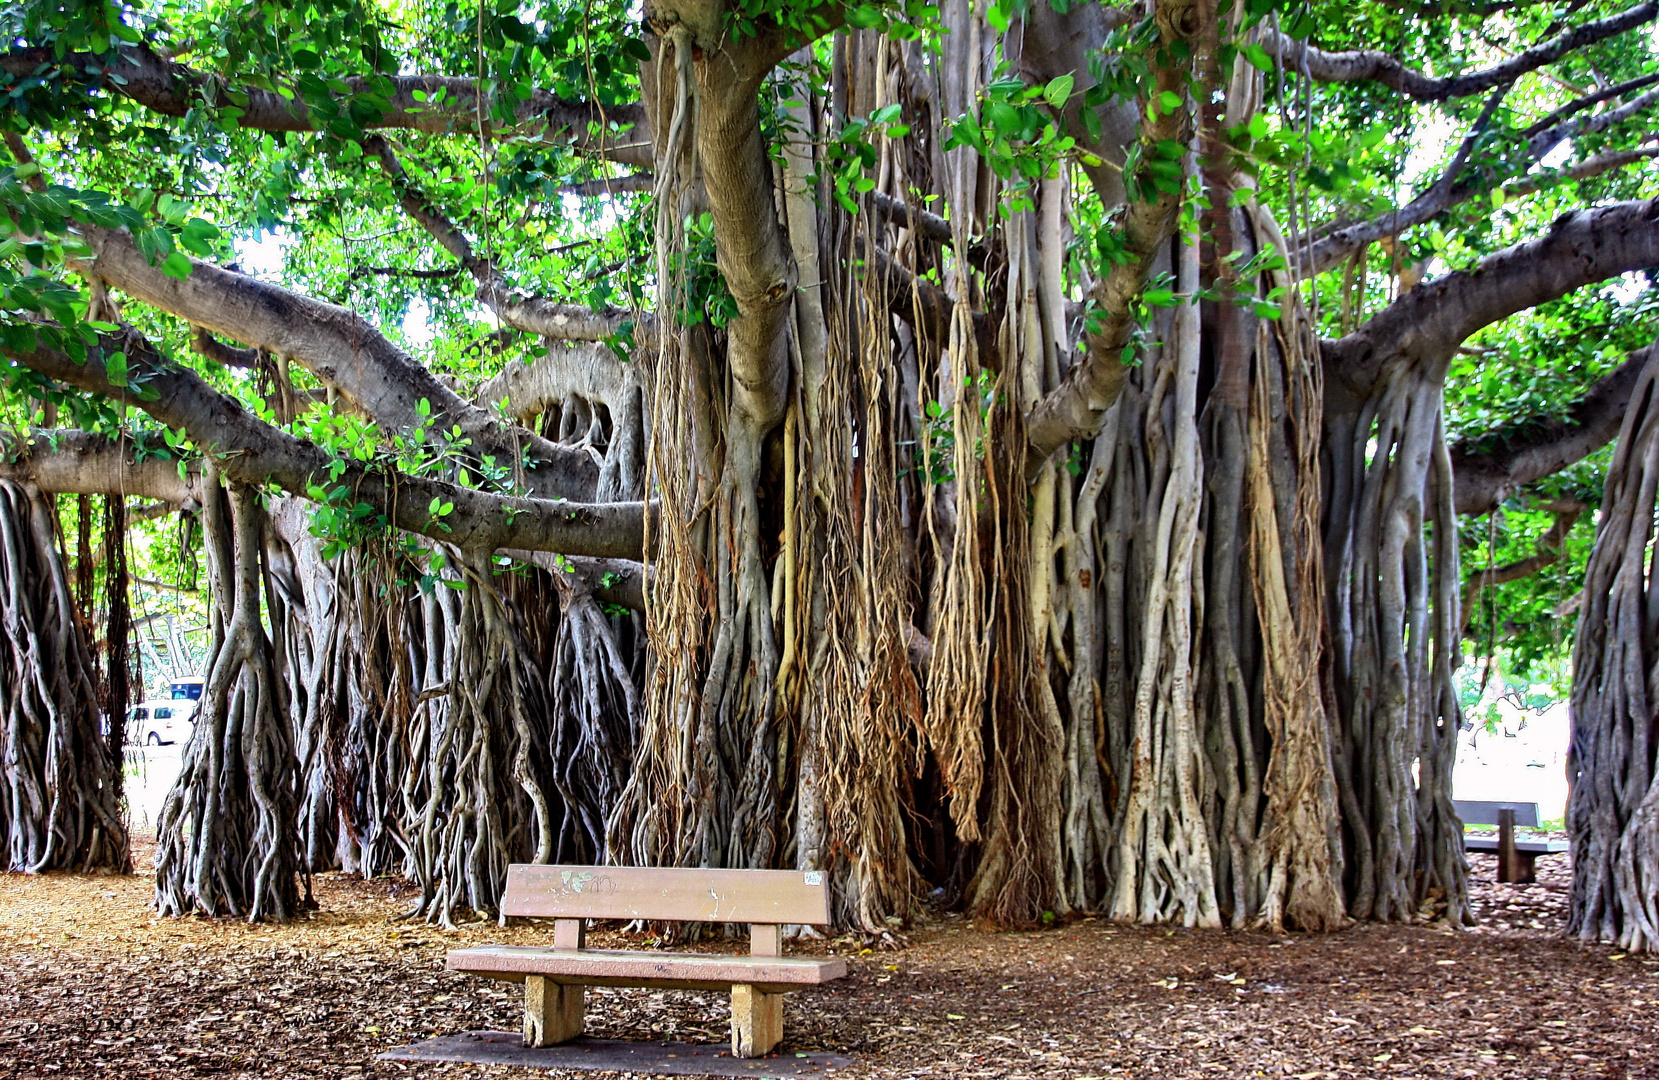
610,185
1545,141
1583,170
1371,65
72,462
1443,194
916,218
211,347
1338,244
1428,323
340,348
254,452
445,103
566,322
1574,107
1484,479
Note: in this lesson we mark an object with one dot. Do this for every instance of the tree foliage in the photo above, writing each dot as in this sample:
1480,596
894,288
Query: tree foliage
1053,452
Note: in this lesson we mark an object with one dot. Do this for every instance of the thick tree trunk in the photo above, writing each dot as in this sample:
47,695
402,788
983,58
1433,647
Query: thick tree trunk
1613,809
60,808
226,841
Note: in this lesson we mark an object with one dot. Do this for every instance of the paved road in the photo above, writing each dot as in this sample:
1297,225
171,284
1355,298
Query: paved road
151,771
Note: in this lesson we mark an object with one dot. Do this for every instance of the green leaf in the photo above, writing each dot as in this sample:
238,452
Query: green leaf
865,17
1092,124
1258,57
1058,90
1169,101
115,368
198,236
176,265
1003,117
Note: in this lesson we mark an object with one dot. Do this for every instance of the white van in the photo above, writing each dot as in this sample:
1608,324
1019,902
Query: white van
165,720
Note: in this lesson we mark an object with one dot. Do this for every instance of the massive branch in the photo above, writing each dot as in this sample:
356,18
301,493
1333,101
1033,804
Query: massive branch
72,462
751,248
1485,478
81,463
341,348
1427,324
445,104
1371,65
257,453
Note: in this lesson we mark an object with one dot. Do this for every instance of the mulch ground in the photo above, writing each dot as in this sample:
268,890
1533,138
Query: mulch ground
91,983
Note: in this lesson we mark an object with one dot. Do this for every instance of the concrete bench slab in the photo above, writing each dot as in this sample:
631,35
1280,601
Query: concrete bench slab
555,979
1517,859
652,1058
618,967
1531,847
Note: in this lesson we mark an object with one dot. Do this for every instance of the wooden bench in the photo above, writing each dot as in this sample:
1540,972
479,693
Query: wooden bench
1517,859
555,979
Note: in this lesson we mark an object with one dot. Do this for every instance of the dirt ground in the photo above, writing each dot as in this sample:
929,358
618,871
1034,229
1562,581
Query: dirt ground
92,984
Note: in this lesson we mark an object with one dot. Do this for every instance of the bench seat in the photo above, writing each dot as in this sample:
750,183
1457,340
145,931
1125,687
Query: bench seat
619,967
1489,844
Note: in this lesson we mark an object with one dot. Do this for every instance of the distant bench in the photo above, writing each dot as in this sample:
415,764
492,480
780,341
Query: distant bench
1517,859
555,979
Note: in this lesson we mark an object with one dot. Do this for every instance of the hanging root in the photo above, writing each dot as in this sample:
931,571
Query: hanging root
1299,884
660,819
1392,588
60,808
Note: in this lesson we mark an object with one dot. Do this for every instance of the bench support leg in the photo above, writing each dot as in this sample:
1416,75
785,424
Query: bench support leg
1509,866
552,1011
757,1021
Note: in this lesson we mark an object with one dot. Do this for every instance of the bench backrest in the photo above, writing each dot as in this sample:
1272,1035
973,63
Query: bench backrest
1486,813
669,894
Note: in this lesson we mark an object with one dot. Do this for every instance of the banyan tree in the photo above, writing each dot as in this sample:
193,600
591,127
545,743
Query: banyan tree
994,451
